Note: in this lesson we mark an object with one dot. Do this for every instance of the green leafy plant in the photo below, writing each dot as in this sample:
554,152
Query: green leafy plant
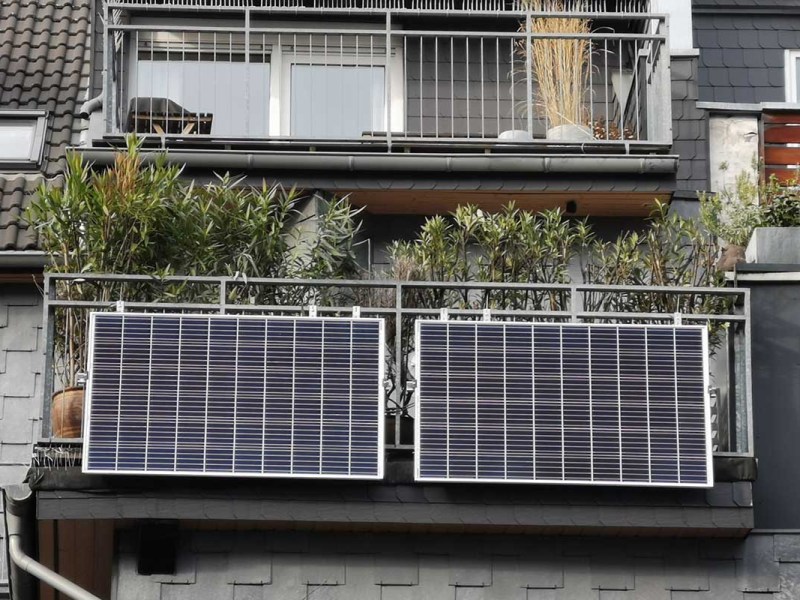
139,217
733,213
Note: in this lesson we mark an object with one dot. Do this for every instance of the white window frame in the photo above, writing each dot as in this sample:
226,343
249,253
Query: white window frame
38,120
790,69
282,94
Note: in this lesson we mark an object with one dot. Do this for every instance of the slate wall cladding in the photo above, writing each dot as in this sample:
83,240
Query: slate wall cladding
346,566
21,366
689,128
742,52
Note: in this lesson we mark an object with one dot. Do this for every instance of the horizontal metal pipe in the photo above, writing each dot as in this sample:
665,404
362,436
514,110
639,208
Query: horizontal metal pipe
381,33
390,283
384,161
302,10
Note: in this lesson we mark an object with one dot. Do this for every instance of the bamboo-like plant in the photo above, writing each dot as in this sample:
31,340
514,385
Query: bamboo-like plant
140,217
559,65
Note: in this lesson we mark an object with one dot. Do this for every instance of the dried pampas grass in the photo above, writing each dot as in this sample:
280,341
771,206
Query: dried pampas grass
560,66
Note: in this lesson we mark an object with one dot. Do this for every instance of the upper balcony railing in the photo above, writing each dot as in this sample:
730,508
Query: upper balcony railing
400,84
726,311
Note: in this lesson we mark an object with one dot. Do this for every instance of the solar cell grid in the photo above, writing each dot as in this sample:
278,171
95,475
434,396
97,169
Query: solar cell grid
235,395
563,403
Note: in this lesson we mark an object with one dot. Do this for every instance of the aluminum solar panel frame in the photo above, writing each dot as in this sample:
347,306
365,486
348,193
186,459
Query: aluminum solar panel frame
235,396
563,403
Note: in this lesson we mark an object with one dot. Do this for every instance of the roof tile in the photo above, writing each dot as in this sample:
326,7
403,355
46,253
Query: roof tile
43,47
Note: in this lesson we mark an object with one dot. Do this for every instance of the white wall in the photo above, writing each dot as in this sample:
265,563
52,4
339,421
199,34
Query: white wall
680,22
732,142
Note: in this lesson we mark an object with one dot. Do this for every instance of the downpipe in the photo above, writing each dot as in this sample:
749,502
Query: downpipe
42,573
20,539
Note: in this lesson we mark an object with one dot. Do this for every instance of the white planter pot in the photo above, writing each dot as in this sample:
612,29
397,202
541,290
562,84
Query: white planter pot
570,133
774,245
515,135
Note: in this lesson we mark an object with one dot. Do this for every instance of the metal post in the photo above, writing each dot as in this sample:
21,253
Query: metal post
49,329
109,102
398,349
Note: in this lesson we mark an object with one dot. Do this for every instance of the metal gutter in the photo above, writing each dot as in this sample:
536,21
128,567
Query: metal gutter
415,163
23,258
20,531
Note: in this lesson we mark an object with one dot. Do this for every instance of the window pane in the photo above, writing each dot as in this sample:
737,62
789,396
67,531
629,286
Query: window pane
16,140
219,88
797,79
332,101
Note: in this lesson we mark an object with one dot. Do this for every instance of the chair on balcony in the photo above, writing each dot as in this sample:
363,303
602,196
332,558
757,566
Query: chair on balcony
162,116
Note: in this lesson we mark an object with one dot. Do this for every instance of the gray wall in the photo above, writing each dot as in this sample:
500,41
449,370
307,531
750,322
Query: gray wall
742,52
21,366
689,129
776,395
350,566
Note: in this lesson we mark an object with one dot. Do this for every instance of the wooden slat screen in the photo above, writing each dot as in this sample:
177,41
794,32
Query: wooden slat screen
780,147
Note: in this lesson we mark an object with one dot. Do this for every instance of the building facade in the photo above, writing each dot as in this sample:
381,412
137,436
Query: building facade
411,108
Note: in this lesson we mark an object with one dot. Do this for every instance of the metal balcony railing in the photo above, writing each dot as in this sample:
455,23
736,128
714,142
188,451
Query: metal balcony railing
383,86
726,311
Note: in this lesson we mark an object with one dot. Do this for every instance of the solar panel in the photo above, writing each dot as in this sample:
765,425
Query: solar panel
235,395
563,403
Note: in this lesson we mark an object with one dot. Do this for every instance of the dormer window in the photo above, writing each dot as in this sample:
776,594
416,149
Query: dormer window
22,138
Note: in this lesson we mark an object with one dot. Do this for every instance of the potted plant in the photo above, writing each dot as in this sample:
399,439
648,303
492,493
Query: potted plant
560,68
757,220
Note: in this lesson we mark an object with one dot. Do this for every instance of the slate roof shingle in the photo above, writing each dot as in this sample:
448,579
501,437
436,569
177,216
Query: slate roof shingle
43,66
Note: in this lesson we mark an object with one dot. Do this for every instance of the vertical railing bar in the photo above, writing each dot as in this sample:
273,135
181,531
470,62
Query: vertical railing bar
638,80
404,58
178,391
398,349
311,67
623,102
452,89
606,84
247,71
528,69
199,79
108,56
497,83
436,84
371,74
469,128
420,87
483,89
748,391
387,81
513,85
223,296
591,87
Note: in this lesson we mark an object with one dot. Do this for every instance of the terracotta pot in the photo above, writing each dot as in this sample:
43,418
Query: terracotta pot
66,413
